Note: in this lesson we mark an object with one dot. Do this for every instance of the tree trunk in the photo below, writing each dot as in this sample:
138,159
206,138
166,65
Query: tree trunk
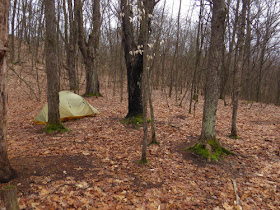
134,63
174,70
278,92
134,83
198,51
226,68
20,34
90,49
71,50
133,52
213,71
6,171
52,68
9,194
145,102
13,32
238,70
95,43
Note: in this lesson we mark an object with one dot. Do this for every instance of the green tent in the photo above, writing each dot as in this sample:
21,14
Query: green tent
71,106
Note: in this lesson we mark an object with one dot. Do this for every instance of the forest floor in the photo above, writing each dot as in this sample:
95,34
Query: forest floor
95,165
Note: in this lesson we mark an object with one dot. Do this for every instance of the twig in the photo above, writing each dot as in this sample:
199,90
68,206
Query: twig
238,203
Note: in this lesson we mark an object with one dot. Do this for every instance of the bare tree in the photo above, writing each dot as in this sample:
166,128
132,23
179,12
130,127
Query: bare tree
6,171
147,7
90,49
238,67
13,31
133,52
174,70
70,40
278,88
213,70
227,58
52,69
198,51
207,140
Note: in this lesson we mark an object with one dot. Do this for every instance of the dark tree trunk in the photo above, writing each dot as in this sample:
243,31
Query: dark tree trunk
6,171
134,63
134,85
133,52
213,72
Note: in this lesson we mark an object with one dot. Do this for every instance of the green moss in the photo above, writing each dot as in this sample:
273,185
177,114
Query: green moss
9,187
55,128
93,94
234,137
199,149
216,153
142,161
135,121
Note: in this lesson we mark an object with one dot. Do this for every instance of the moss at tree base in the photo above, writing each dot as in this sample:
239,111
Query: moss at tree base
211,151
135,121
143,161
93,94
234,136
55,128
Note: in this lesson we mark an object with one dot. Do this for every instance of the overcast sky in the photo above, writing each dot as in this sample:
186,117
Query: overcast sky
185,8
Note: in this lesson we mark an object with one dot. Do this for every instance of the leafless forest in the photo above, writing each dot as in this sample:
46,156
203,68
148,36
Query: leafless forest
177,63
179,44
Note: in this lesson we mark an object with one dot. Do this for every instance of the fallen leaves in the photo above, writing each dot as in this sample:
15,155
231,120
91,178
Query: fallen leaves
95,165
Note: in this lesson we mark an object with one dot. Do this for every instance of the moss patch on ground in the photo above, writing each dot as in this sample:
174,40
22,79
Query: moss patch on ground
135,121
212,150
50,128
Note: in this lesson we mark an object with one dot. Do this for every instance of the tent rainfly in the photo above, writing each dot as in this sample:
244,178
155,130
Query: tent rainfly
71,106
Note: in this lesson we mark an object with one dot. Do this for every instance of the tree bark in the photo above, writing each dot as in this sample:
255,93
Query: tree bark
198,52
213,72
226,68
10,197
134,63
133,52
90,49
246,73
70,42
6,171
51,67
13,32
278,92
238,69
